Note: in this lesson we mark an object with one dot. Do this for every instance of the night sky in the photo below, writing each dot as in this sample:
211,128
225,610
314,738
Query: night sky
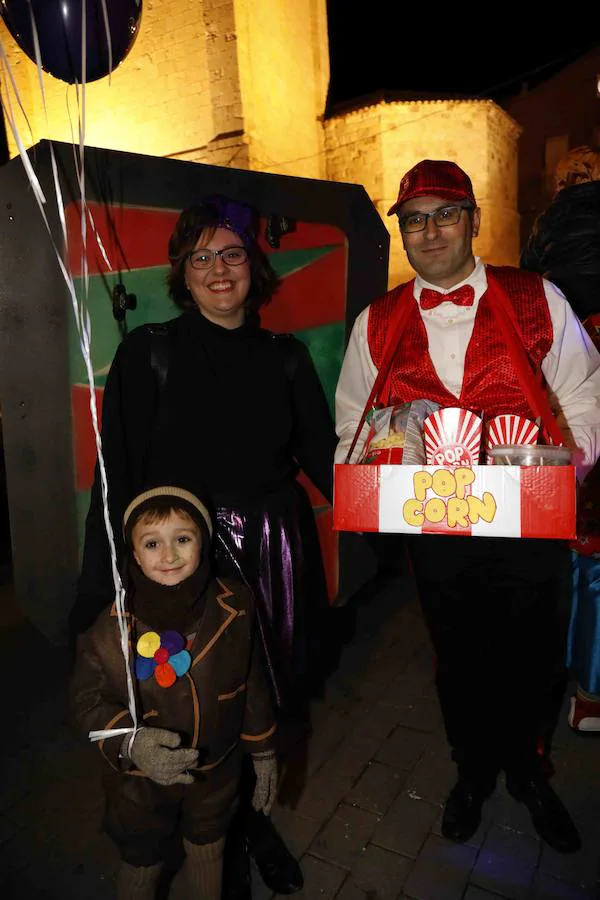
371,50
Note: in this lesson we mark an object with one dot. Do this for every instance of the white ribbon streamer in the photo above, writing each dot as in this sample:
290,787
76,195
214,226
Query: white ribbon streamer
80,311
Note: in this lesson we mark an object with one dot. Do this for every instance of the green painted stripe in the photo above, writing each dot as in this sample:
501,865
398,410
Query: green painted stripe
148,285
286,262
326,345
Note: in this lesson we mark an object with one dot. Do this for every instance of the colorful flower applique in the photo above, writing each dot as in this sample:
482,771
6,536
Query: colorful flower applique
162,655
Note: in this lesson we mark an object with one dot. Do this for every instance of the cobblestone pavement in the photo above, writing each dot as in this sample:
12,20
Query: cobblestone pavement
360,800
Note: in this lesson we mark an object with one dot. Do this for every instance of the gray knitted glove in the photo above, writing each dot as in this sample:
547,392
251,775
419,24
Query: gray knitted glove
154,751
265,791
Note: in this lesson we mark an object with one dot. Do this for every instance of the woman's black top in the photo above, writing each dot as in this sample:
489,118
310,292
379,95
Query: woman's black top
241,411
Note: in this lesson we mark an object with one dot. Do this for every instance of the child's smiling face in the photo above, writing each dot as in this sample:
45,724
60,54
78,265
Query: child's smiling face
167,550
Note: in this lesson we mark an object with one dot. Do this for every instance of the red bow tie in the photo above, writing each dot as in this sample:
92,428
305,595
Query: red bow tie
462,296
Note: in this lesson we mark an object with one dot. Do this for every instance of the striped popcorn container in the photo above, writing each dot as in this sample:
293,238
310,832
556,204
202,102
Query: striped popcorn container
452,437
509,430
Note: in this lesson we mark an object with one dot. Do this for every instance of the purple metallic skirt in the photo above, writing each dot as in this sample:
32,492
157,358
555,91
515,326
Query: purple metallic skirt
272,545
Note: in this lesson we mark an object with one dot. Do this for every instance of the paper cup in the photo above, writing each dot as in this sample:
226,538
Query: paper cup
452,438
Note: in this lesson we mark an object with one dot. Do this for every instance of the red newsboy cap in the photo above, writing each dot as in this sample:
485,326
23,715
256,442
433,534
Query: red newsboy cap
434,178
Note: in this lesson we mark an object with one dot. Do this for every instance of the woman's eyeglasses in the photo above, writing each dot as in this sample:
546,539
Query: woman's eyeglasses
205,259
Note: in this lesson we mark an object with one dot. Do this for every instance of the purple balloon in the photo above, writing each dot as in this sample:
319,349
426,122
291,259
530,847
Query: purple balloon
59,28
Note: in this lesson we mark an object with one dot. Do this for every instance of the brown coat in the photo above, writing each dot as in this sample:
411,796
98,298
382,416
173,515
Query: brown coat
221,705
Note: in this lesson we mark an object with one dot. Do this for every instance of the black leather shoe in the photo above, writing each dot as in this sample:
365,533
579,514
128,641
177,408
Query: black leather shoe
462,812
278,868
550,818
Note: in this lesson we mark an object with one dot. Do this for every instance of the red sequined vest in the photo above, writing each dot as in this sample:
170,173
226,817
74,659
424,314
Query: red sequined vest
490,384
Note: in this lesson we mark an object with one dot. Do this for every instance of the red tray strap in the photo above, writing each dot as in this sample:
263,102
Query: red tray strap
535,394
403,298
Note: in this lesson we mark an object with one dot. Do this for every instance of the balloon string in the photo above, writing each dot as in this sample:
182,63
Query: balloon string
81,315
108,41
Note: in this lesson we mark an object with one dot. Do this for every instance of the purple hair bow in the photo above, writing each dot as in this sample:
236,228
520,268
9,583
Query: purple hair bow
235,216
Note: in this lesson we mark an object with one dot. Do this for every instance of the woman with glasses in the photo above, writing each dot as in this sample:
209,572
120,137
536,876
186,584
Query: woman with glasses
215,393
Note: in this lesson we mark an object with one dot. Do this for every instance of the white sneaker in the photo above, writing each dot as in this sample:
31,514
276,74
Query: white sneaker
584,715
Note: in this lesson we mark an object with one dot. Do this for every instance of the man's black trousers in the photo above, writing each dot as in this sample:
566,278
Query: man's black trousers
497,610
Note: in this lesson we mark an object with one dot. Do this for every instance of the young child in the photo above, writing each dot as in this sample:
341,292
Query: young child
201,698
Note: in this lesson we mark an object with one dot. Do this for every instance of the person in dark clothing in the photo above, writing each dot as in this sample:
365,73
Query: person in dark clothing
201,698
564,246
246,408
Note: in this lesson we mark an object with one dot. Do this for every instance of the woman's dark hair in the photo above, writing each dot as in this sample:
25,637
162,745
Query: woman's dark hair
564,246
206,216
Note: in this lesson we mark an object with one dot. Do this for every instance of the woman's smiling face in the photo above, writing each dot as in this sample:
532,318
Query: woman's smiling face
220,291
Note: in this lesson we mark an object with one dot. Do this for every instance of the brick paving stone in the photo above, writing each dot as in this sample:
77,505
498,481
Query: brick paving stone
321,879
417,681
299,831
509,814
382,720
354,699
403,748
546,888
432,778
71,883
383,667
377,788
405,826
407,641
421,666
12,794
506,863
15,857
328,732
7,829
576,868
18,888
441,872
352,756
437,745
475,893
345,836
378,874
421,713
322,796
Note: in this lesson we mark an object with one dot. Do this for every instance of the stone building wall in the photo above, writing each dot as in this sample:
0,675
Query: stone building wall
243,83
284,75
158,101
230,82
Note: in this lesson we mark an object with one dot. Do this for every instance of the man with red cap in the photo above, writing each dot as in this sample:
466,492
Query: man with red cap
494,607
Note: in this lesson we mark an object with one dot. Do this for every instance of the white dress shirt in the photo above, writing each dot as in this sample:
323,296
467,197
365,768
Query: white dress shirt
571,368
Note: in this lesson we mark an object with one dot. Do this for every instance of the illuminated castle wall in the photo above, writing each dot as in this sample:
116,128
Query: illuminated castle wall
243,83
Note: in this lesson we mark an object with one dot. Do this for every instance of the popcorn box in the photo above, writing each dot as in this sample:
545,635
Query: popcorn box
510,430
384,456
452,437
384,444
476,501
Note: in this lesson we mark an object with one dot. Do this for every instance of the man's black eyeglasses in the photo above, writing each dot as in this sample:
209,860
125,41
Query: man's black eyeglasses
417,221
